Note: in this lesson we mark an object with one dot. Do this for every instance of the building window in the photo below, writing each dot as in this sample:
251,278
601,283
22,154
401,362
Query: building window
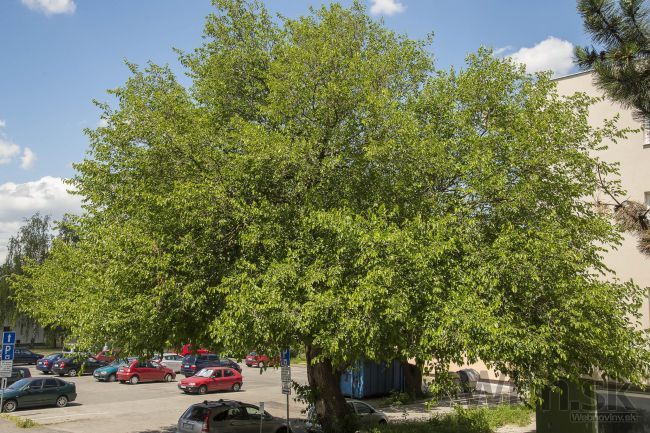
646,133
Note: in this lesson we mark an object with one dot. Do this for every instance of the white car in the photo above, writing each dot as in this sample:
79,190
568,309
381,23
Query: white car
172,361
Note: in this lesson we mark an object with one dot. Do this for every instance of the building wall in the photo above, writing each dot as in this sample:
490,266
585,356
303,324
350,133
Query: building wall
634,159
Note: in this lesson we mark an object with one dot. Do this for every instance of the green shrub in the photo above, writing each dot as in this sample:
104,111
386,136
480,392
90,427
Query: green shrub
484,420
20,422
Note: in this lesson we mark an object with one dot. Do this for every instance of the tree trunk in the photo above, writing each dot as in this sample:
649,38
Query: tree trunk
329,403
412,379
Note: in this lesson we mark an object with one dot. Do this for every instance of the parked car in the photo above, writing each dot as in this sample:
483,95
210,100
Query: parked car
38,392
173,361
194,363
25,356
229,416
106,355
212,379
261,361
144,371
18,373
44,365
109,372
368,416
189,350
75,364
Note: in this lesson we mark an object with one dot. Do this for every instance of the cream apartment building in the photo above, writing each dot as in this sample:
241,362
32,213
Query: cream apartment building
633,155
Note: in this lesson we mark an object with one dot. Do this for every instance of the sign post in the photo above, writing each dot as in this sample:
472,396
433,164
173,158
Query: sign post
6,360
261,414
285,373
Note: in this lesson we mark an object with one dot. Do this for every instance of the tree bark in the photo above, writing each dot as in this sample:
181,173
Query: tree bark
412,379
330,405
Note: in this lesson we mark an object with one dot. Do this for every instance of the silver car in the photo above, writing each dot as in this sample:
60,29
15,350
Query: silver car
368,416
172,361
229,416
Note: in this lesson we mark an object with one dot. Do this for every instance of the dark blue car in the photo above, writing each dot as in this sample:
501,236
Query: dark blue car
44,365
25,356
195,363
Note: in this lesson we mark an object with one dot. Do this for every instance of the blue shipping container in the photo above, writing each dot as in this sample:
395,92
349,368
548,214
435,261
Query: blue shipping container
372,379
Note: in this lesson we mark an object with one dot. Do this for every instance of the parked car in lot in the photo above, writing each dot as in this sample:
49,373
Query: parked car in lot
173,361
212,379
229,416
25,356
189,350
367,415
144,371
194,363
18,373
255,360
107,356
35,391
109,372
76,364
44,365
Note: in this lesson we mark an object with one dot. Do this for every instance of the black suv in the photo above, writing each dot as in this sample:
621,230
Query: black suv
229,415
78,363
24,356
192,364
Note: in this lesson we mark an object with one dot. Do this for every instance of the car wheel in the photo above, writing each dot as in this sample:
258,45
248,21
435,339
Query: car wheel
236,387
134,380
111,378
62,401
168,377
261,364
72,372
203,389
9,406
122,381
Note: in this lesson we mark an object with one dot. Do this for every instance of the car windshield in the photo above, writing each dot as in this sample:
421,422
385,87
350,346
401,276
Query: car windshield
19,384
189,359
206,372
118,363
54,355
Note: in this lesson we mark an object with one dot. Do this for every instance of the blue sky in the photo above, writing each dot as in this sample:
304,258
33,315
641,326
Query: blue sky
58,55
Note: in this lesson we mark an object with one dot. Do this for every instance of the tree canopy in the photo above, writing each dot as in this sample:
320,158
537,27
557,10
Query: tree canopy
321,185
622,61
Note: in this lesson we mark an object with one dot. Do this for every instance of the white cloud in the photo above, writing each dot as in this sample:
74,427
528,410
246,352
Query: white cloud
552,54
502,50
28,158
18,201
2,123
51,7
386,7
8,150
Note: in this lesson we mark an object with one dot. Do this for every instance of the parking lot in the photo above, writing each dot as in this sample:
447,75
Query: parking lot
153,407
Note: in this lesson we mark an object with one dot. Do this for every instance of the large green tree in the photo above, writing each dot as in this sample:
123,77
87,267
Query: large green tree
320,185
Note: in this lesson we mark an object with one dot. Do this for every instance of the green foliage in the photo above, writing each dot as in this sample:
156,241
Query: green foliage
484,420
622,29
321,185
397,398
20,422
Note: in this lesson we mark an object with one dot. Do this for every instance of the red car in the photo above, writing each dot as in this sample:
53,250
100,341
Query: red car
261,361
212,379
188,350
106,356
147,371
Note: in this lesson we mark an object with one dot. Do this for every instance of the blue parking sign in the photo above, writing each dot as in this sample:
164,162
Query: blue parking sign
285,361
9,337
7,352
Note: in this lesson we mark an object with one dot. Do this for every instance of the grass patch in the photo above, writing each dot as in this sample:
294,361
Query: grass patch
20,422
483,420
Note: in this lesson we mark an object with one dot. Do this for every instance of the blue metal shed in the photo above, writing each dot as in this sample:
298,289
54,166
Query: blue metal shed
371,379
